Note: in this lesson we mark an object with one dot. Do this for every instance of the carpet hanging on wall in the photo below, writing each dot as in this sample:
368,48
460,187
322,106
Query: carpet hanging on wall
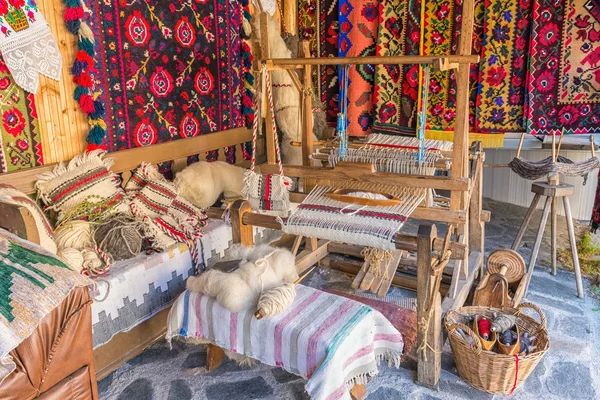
397,86
564,75
167,70
358,24
21,145
503,69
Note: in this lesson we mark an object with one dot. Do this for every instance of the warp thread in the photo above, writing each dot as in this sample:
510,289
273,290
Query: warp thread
121,237
276,300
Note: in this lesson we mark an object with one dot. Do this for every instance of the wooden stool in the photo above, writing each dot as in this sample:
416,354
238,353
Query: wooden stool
552,190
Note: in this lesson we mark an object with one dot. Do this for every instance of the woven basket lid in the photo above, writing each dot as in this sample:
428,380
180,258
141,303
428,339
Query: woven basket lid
511,260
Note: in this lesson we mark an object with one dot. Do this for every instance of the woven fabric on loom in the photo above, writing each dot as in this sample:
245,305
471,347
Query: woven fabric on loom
167,70
321,216
32,283
503,69
331,341
564,80
358,24
441,32
397,86
20,140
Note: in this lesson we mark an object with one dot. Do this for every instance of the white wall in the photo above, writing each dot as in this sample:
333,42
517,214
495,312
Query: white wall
504,185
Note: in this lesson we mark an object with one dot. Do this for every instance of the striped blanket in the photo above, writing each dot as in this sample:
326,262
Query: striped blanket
332,341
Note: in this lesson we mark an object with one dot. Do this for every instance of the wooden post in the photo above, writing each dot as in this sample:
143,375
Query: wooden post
307,120
476,226
265,53
290,16
429,361
241,233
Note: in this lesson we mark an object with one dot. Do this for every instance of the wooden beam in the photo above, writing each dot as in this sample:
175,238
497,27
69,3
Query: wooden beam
19,221
359,172
265,53
463,287
307,117
307,258
241,233
429,310
290,16
398,60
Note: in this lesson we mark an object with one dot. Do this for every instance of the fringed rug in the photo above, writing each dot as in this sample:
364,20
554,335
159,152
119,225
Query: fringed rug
397,86
20,140
167,70
358,24
503,69
564,80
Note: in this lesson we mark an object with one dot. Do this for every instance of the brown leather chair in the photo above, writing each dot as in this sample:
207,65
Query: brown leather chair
56,361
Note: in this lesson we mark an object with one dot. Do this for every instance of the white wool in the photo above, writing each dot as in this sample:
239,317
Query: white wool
202,183
74,234
72,257
240,290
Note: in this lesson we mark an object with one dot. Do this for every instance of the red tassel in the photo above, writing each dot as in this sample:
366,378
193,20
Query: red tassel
246,47
83,56
92,147
247,102
86,102
73,13
84,80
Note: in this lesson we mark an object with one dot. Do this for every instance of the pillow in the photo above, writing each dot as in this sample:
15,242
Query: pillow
85,186
12,195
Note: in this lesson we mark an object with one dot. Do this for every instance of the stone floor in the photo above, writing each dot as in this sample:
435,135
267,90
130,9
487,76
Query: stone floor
570,370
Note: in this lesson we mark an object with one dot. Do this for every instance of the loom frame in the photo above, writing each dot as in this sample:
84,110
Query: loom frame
464,184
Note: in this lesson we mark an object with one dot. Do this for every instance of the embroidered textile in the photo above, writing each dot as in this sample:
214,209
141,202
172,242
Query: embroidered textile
396,86
32,283
332,341
564,80
20,140
502,71
178,69
27,45
358,23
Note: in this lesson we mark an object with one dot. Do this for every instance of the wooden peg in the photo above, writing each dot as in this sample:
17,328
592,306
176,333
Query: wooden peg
593,146
553,147
520,144
562,133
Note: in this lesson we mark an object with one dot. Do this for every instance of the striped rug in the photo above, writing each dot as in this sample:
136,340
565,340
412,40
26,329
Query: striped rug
332,341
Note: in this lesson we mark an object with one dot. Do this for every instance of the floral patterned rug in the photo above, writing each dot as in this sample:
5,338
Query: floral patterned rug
167,70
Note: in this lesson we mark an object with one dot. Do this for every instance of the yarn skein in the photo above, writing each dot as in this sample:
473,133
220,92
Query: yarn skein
276,300
121,237
72,257
76,234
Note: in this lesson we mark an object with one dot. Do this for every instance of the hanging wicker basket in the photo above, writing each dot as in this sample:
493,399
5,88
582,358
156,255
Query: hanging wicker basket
489,371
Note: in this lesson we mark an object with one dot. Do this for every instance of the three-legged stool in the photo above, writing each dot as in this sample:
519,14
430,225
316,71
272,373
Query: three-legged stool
552,192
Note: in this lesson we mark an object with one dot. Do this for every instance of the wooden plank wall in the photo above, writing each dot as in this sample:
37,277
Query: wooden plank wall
63,125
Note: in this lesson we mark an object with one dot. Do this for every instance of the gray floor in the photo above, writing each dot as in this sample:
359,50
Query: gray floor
570,370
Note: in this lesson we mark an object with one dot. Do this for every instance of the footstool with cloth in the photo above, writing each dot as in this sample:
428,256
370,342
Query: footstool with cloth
332,341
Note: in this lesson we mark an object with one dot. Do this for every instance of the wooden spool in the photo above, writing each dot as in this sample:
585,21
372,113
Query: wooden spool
485,344
504,268
512,349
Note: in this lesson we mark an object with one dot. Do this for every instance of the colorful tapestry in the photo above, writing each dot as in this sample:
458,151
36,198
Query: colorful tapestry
564,74
441,33
358,23
308,29
32,283
20,140
502,71
397,87
177,69
328,47
331,341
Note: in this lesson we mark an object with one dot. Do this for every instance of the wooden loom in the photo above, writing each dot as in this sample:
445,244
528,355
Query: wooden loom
423,270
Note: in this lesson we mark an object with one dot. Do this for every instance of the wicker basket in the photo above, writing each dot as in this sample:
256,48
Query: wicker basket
489,371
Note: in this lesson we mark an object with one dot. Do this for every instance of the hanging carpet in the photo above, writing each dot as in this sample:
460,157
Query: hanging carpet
503,68
397,86
167,70
564,74
358,24
20,140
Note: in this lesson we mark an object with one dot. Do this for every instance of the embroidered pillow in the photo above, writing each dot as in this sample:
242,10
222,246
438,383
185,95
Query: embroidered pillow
85,186
12,195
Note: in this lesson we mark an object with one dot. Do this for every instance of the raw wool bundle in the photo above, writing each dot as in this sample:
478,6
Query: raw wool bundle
168,218
276,300
371,226
11,195
121,237
536,169
202,183
76,246
85,179
241,289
